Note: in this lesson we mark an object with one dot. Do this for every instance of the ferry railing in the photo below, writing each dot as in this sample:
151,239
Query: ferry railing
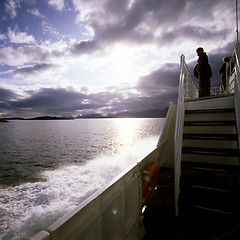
186,90
217,90
190,90
234,85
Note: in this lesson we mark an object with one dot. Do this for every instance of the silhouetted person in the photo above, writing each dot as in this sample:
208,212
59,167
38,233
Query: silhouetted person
203,72
222,70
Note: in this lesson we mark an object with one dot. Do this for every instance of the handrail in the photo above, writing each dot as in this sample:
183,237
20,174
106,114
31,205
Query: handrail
233,83
184,91
236,87
190,90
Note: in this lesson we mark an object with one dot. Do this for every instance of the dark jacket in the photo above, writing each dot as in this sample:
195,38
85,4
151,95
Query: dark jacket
222,70
202,63
203,68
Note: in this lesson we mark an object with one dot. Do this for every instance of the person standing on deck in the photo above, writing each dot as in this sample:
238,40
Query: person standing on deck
222,70
203,72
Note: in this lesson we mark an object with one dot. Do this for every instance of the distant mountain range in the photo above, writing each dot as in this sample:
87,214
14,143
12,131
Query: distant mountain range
153,113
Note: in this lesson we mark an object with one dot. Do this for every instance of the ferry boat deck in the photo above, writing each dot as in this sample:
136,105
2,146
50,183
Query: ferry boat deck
198,187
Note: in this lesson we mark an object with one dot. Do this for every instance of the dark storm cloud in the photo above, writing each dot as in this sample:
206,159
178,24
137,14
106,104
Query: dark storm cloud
7,95
155,91
163,79
35,69
178,19
84,47
191,32
58,101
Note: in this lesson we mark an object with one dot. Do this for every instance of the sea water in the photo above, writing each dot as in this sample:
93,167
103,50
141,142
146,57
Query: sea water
48,167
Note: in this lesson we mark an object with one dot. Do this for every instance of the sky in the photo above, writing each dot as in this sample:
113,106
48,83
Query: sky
74,57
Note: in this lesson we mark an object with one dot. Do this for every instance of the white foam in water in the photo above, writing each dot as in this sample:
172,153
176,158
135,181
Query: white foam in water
32,207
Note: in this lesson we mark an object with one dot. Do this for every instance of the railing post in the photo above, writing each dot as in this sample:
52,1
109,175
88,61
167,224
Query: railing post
227,76
178,132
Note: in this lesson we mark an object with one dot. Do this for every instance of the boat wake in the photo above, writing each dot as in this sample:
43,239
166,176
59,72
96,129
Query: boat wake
31,207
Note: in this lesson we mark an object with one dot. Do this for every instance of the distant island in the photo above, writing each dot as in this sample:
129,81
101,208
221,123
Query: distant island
153,113
37,118
3,120
50,118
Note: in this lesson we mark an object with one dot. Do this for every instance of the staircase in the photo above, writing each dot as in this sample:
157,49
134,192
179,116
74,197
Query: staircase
210,170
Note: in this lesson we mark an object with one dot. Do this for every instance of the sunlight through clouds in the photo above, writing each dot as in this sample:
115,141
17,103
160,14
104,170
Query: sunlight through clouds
102,45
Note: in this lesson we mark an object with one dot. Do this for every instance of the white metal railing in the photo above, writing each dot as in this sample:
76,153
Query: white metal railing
236,86
189,89
214,91
184,90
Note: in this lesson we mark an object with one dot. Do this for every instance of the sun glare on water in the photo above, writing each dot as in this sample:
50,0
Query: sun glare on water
127,128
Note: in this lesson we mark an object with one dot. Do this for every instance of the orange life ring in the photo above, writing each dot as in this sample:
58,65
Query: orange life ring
149,180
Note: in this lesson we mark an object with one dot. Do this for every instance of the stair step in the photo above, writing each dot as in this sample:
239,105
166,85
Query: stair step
218,110
218,168
208,179
219,211
210,123
211,151
218,200
211,216
210,198
210,187
210,143
218,116
206,136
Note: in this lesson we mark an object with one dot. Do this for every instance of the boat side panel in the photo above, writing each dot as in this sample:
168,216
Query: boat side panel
166,140
111,213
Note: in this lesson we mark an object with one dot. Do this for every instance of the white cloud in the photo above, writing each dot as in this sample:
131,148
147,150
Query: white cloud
35,12
51,52
58,4
2,37
20,37
48,28
11,8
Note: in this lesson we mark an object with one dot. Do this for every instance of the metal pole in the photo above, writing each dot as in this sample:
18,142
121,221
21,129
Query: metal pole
237,19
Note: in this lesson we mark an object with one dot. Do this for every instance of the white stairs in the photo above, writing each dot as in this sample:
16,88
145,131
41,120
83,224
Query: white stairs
210,170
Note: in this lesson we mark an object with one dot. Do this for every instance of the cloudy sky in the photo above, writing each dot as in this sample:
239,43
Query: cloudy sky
71,57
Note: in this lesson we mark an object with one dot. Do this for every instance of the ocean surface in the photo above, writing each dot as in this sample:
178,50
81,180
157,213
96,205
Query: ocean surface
47,167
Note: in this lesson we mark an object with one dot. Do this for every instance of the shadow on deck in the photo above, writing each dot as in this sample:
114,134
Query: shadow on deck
160,221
